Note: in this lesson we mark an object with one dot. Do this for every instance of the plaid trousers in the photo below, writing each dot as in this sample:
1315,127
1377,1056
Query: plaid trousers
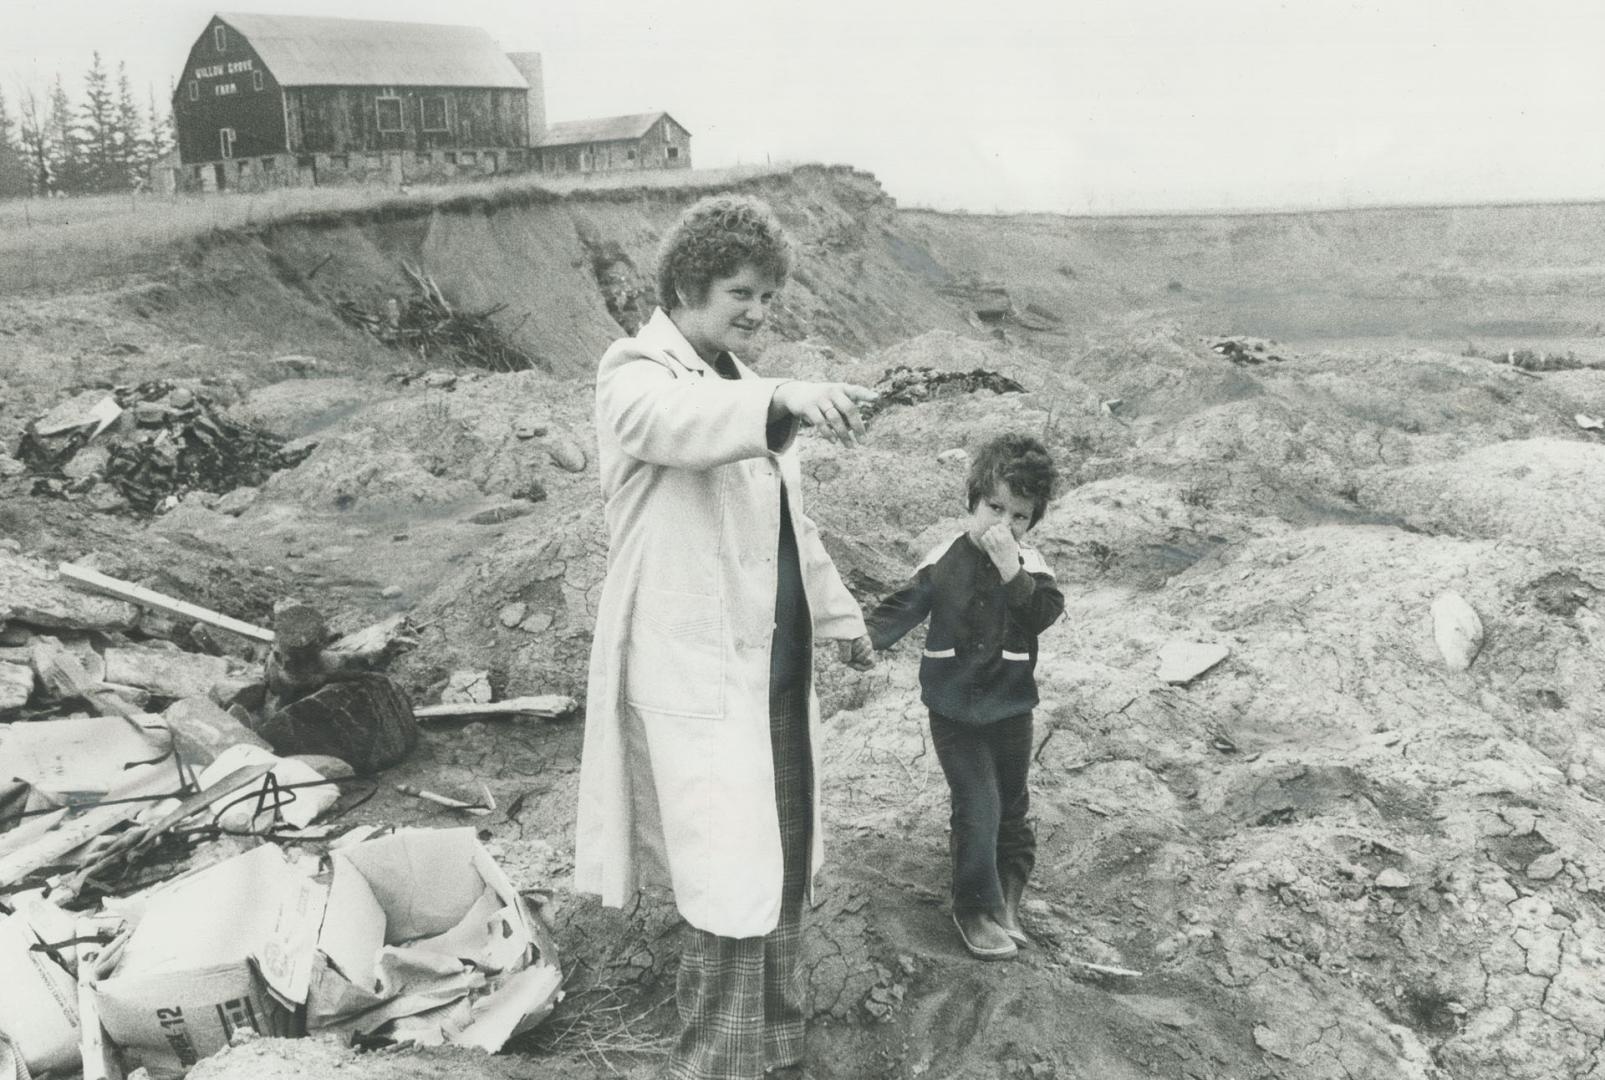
742,1001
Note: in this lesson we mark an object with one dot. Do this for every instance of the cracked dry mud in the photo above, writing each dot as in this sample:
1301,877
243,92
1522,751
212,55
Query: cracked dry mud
1329,857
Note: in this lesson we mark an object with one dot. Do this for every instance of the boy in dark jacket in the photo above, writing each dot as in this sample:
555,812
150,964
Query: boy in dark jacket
988,598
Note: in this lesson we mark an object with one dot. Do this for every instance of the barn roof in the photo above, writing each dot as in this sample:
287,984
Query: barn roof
603,129
304,50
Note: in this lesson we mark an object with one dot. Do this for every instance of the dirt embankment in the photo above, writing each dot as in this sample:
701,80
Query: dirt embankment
1330,855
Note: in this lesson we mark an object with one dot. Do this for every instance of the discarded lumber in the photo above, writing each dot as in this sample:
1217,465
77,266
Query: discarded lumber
91,1036
60,837
59,668
202,731
545,706
169,673
30,594
131,842
95,581
372,645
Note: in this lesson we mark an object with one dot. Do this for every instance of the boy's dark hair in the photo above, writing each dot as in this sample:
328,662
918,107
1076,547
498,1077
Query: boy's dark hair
715,238
1022,463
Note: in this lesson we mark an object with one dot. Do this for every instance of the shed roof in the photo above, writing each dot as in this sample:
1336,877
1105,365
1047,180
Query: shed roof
602,129
306,50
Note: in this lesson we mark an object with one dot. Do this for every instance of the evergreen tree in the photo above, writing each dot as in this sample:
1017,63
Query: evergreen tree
13,169
64,158
132,148
96,131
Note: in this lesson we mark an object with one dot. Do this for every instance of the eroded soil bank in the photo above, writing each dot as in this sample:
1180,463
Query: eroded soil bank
1329,856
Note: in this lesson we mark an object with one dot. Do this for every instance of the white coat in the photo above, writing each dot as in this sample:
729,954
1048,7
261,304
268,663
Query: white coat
677,778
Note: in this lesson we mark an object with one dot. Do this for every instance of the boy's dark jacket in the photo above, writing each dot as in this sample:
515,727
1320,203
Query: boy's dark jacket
981,650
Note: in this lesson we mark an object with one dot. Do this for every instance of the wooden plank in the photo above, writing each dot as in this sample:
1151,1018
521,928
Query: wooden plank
95,581
545,706
99,1060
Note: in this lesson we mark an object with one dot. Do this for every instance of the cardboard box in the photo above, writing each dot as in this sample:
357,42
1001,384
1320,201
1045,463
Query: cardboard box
39,996
407,925
183,981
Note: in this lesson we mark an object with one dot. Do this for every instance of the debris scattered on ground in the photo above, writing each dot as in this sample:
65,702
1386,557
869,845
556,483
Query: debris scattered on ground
1241,352
1180,662
95,808
905,385
1532,360
486,804
429,327
146,446
1457,630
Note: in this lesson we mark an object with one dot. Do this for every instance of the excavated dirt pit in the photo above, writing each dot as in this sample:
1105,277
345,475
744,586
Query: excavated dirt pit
1328,856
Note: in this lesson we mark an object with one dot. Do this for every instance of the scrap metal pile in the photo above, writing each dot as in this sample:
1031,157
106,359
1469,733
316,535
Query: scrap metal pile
429,327
145,446
148,914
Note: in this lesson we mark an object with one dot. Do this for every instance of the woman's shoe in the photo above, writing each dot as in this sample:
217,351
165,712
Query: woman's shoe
983,936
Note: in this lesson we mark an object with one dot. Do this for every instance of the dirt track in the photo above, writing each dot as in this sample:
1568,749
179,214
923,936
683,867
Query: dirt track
1228,838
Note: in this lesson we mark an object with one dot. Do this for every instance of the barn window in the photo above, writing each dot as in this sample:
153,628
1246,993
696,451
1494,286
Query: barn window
434,112
225,142
268,164
256,80
630,153
194,90
220,37
390,114
674,152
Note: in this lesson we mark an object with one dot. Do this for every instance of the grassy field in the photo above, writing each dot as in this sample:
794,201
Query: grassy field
53,243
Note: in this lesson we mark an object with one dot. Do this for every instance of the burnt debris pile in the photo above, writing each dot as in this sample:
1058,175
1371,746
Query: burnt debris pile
904,385
143,447
428,326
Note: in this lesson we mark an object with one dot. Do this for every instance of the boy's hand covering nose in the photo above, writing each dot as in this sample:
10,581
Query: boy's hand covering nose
999,544
858,654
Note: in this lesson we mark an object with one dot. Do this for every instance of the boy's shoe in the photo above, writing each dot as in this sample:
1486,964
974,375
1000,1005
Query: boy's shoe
1013,890
983,936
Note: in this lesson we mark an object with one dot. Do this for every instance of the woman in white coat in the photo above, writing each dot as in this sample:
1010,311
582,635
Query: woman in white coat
698,768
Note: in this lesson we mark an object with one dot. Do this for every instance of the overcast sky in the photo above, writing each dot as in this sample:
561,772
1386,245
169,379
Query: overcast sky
1060,105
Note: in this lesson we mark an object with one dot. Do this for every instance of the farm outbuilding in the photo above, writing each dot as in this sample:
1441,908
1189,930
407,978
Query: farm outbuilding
271,100
652,140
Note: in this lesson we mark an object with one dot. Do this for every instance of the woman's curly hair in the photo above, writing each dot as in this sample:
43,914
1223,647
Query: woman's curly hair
715,238
1022,463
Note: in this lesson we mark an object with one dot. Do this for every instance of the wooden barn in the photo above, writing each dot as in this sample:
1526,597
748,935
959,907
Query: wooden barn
641,141
273,100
